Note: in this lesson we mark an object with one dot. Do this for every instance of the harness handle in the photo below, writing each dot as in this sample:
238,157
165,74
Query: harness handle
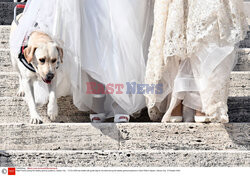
18,6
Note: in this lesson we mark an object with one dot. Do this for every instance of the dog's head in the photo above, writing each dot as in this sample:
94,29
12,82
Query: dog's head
45,57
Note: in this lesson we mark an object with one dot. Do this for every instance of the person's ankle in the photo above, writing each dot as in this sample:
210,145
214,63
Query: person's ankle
199,113
177,110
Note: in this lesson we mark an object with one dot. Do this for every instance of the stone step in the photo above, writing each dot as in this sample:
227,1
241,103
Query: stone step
247,7
5,61
5,32
143,158
243,63
132,136
4,44
239,84
4,36
7,12
246,42
239,110
15,110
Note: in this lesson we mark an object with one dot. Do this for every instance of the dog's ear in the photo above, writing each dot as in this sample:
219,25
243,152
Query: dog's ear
29,53
60,51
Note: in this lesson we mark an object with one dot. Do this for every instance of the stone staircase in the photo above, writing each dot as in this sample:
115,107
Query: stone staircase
72,143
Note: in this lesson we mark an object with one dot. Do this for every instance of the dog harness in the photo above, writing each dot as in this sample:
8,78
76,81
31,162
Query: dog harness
29,65
24,61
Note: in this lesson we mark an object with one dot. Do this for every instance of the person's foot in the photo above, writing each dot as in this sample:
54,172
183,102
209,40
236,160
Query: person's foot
201,117
176,115
154,114
121,118
97,118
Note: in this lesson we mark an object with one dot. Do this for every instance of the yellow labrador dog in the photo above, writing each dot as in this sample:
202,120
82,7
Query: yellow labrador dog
41,58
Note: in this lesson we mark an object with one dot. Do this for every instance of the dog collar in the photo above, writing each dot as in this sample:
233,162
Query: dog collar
24,61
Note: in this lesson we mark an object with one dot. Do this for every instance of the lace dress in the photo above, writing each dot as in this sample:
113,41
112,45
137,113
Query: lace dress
192,54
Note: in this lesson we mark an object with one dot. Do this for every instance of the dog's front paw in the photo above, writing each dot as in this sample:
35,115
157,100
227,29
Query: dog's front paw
20,92
154,114
36,119
52,111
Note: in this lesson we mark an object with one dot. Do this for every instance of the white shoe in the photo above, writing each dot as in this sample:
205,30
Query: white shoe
171,119
97,118
176,119
121,118
202,119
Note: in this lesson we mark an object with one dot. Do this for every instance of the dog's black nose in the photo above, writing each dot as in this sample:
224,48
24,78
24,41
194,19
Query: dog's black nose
49,76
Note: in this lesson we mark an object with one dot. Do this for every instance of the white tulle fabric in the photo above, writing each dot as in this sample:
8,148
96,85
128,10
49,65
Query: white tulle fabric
106,39
192,53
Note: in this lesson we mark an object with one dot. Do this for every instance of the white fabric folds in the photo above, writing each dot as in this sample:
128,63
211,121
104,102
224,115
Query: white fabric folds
104,39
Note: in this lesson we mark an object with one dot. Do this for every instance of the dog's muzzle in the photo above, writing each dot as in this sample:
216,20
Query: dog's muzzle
49,78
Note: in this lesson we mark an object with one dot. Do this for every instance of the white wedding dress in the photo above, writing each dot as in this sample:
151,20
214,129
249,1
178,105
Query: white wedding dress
105,39
192,54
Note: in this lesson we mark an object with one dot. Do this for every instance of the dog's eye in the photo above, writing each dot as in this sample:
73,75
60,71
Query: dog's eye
53,61
42,60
